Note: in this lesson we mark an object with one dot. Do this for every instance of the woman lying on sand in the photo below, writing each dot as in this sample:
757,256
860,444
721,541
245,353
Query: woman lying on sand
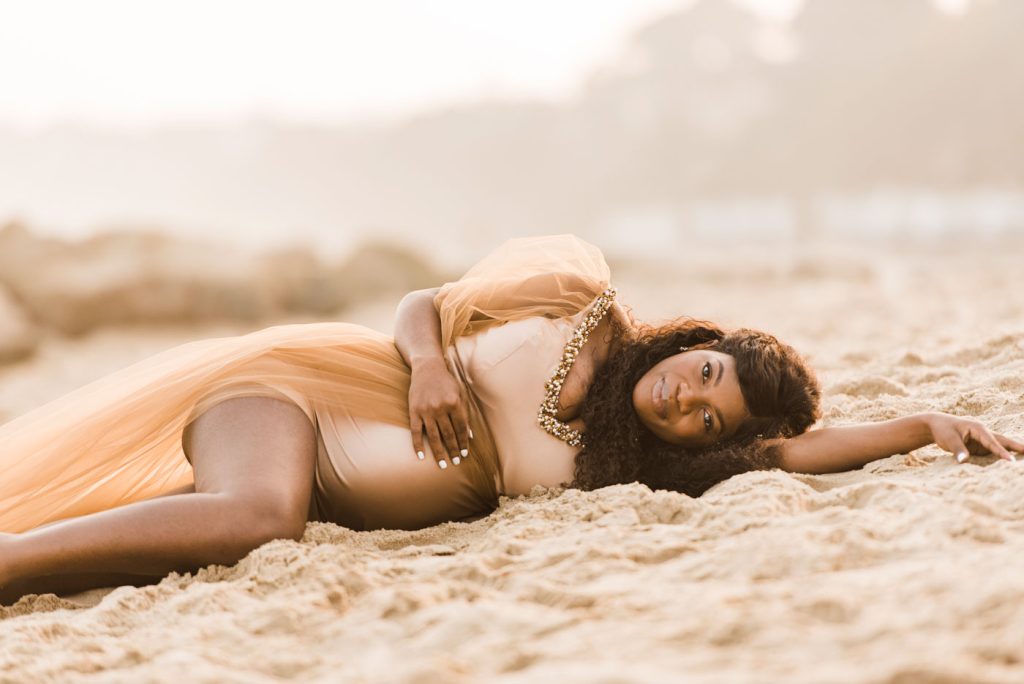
524,372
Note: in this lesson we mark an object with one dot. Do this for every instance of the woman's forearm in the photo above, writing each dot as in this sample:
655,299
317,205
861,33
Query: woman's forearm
418,328
849,447
438,412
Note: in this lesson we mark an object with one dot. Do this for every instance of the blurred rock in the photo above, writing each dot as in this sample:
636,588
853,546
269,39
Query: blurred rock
149,277
378,269
18,336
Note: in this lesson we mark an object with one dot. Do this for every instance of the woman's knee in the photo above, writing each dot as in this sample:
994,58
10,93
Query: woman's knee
247,522
277,519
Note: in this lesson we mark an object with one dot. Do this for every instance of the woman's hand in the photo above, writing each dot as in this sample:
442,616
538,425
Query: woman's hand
964,436
437,408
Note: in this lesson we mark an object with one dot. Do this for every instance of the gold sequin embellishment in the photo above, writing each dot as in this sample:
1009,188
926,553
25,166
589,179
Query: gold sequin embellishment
553,387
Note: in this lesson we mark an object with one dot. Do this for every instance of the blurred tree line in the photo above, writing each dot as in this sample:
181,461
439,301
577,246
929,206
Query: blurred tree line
708,101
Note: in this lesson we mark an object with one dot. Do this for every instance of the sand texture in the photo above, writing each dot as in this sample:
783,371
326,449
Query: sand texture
909,570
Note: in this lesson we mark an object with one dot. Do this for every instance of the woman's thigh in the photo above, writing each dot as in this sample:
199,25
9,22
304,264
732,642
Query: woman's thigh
258,449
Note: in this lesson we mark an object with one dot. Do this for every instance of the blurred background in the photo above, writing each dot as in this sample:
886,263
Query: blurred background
846,173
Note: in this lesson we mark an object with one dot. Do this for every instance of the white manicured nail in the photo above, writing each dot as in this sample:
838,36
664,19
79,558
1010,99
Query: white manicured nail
456,460
961,457
465,453
420,454
442,464
471,433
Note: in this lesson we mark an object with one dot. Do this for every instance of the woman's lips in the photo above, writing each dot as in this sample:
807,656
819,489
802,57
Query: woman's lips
657,395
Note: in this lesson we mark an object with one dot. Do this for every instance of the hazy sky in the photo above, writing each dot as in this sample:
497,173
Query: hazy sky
125,62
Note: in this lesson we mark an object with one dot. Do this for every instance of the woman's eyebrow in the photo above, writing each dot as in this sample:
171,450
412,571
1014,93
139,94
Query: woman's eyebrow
721,372
721,423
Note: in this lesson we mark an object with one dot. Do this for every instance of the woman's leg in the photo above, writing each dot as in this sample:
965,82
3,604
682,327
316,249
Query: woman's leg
253,459
69,585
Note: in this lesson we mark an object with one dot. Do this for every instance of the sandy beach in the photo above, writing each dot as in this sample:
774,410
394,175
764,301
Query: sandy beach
909,570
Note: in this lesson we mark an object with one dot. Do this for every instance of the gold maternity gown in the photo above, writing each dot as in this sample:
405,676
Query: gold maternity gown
504,325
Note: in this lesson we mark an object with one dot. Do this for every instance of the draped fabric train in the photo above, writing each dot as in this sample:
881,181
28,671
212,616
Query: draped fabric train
118,440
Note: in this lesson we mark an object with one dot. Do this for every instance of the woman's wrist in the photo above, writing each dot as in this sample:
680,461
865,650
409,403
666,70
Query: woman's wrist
427,362
924,433
928,420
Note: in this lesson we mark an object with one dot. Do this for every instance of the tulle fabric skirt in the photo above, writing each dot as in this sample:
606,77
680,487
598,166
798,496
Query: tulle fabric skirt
119,439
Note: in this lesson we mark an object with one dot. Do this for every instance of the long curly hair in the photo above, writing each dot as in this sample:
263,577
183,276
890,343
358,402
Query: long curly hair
779,388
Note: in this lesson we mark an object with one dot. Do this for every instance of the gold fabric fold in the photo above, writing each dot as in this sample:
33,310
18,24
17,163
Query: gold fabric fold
118,439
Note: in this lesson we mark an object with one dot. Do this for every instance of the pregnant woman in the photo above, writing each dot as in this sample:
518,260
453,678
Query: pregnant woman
524,372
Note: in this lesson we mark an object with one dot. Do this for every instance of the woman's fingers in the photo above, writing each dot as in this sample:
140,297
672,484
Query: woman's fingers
451,439
998,449
436,444
982,440
461,423
447,435
443,441
964,437
957,446
416,425
1011,443
984,437
947,435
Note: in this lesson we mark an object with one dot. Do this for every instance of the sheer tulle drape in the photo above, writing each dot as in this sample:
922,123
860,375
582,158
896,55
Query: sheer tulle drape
118,439
550,276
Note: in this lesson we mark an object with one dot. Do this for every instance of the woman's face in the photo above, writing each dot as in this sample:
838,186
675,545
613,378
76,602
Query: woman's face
692,399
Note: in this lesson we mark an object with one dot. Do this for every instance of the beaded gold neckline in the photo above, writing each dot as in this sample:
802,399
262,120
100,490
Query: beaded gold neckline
553,387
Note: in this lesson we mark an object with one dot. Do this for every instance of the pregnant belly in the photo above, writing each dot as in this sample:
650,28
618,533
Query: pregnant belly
368,477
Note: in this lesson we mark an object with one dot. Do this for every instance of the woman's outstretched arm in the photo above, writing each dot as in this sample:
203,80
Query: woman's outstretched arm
848,447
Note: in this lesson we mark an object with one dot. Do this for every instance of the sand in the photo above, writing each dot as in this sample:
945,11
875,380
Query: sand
909,570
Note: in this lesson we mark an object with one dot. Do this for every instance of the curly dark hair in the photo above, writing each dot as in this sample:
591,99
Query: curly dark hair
780,390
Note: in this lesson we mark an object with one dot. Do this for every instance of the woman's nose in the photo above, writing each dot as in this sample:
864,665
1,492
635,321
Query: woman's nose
685,397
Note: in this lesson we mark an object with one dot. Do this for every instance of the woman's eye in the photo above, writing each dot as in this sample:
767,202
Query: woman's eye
708,423
705,372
